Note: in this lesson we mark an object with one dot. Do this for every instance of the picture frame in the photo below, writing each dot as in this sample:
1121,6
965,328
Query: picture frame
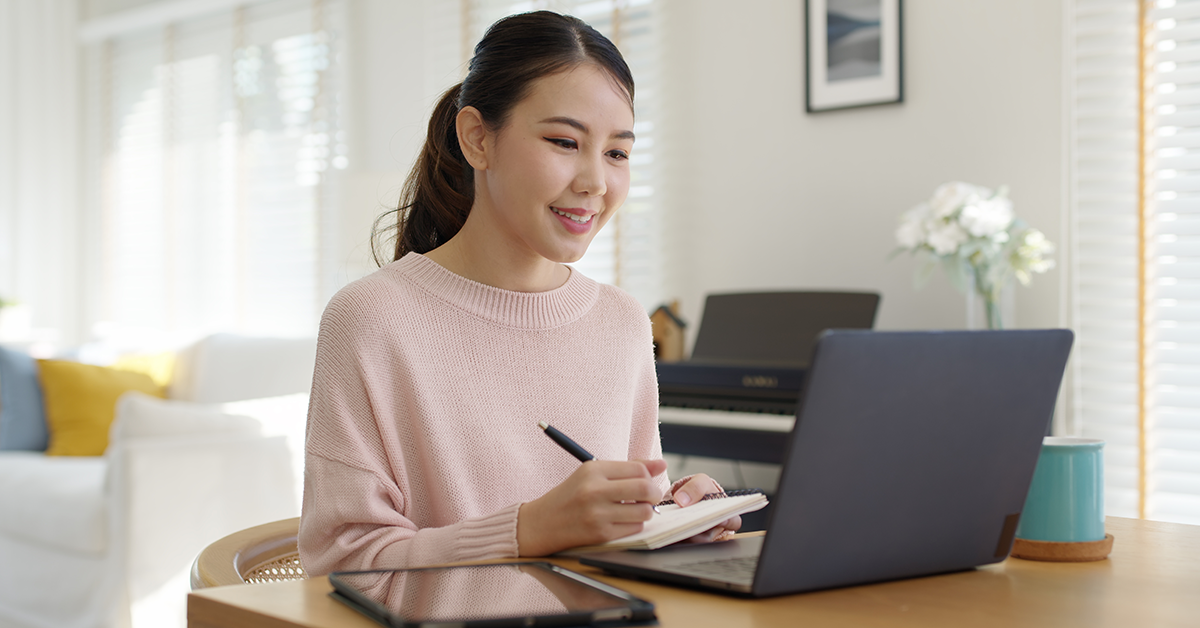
854,53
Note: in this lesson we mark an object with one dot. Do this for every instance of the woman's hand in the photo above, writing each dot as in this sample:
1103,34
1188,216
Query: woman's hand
601,501
692,492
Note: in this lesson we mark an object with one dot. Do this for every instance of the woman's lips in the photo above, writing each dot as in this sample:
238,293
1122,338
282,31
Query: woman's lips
576,221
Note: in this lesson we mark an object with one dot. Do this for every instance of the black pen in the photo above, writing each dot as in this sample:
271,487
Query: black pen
572,447
566,443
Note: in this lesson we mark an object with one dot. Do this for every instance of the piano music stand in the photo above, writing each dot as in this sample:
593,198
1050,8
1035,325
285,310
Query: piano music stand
776,329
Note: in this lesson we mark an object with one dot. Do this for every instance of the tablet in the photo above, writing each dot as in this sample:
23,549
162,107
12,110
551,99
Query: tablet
508,594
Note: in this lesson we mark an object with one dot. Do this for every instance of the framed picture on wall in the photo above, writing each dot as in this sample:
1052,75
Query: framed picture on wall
855,53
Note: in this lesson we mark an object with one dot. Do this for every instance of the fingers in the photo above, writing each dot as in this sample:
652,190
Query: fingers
600,501
654,467
618,469
695,489
633,490
628,512
616,490
627,480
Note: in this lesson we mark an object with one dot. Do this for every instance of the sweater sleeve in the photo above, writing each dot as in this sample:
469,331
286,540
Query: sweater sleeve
350,523
354,514
644,441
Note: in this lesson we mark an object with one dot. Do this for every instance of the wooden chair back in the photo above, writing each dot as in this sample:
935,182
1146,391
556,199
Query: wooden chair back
264,553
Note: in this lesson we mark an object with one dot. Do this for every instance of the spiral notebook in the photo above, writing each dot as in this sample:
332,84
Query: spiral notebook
675,523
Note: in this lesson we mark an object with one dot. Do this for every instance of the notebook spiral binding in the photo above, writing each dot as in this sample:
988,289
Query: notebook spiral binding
737,492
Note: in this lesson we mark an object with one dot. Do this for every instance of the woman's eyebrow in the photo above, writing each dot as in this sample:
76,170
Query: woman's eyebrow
581,127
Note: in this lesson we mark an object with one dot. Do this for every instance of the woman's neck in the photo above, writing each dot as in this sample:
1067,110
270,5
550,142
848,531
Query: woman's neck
479,255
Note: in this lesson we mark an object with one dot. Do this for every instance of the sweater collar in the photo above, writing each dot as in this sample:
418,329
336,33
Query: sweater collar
522,310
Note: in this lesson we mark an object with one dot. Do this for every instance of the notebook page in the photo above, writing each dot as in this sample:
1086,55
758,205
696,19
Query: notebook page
676,523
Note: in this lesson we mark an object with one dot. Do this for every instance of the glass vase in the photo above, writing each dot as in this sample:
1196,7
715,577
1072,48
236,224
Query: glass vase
991,306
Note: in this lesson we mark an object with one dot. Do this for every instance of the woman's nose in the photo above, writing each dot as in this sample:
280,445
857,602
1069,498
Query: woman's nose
589,180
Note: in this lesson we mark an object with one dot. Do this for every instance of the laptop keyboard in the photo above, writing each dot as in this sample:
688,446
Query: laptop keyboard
739,569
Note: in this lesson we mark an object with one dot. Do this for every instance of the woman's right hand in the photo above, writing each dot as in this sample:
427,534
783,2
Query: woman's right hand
601,501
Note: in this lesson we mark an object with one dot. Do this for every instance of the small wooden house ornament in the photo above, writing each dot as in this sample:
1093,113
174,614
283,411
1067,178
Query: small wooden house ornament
667,329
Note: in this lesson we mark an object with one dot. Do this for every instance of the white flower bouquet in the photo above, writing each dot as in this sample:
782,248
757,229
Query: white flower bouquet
972,233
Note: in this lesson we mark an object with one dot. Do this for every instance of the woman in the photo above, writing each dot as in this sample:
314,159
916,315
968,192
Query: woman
433,372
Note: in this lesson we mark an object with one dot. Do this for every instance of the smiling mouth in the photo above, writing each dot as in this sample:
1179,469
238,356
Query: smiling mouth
583,220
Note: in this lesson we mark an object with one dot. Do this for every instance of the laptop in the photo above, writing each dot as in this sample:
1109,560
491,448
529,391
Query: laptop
911,455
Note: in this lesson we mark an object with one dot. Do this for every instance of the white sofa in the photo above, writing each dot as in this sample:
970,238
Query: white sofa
106,542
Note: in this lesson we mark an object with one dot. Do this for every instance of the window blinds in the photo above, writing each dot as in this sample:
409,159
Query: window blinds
1136,249
216,136
626,252
1104,192
1172,260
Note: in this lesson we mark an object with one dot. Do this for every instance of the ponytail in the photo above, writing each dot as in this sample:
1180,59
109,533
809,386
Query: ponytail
437,194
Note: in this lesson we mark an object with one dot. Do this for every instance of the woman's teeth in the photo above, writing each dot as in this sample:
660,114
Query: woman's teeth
579,219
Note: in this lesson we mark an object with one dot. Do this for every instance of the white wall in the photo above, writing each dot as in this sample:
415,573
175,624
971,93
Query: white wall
399,69
763,195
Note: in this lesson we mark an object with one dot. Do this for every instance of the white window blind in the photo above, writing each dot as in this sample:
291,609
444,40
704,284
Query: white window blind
1104,210
626,252
1172,258
215,136
1136,249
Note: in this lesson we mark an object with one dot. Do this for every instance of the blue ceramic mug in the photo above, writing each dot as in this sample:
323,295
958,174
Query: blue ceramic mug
1066,499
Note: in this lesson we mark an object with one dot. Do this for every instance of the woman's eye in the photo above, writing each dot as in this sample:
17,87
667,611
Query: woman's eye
618,155
561,142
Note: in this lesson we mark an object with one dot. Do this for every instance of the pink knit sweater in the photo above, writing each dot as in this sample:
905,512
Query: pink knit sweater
422,427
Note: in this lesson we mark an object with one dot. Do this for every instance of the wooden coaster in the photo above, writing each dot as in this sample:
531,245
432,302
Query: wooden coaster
1079,552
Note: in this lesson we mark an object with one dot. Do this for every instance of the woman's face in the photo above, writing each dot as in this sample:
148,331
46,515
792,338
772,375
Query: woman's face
558,169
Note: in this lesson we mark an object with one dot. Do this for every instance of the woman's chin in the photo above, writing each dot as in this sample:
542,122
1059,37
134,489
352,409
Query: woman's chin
567,254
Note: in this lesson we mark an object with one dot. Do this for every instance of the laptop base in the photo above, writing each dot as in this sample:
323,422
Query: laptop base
672,564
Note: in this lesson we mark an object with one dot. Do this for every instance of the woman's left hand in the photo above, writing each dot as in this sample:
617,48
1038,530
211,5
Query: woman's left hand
692,492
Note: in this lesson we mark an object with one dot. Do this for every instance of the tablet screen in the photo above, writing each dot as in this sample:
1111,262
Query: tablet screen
469,594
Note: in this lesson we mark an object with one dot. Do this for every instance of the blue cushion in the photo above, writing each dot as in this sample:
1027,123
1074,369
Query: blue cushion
22,413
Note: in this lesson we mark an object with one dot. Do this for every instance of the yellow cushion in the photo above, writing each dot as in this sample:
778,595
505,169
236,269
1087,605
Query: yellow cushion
159,366
81,401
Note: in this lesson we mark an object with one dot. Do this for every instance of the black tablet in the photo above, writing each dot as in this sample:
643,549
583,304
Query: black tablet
509,594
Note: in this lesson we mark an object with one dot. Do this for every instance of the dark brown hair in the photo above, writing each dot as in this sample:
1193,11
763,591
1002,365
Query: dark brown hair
517,50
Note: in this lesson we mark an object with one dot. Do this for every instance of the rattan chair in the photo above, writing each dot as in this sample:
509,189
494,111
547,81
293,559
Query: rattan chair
265,553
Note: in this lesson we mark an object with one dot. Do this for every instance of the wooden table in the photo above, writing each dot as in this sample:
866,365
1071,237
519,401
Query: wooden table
1152,578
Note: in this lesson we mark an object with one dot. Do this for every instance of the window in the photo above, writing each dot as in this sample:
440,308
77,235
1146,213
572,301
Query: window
1135,185
215,136
627,252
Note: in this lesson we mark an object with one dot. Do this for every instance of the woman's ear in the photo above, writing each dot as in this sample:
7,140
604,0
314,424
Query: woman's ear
472,134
